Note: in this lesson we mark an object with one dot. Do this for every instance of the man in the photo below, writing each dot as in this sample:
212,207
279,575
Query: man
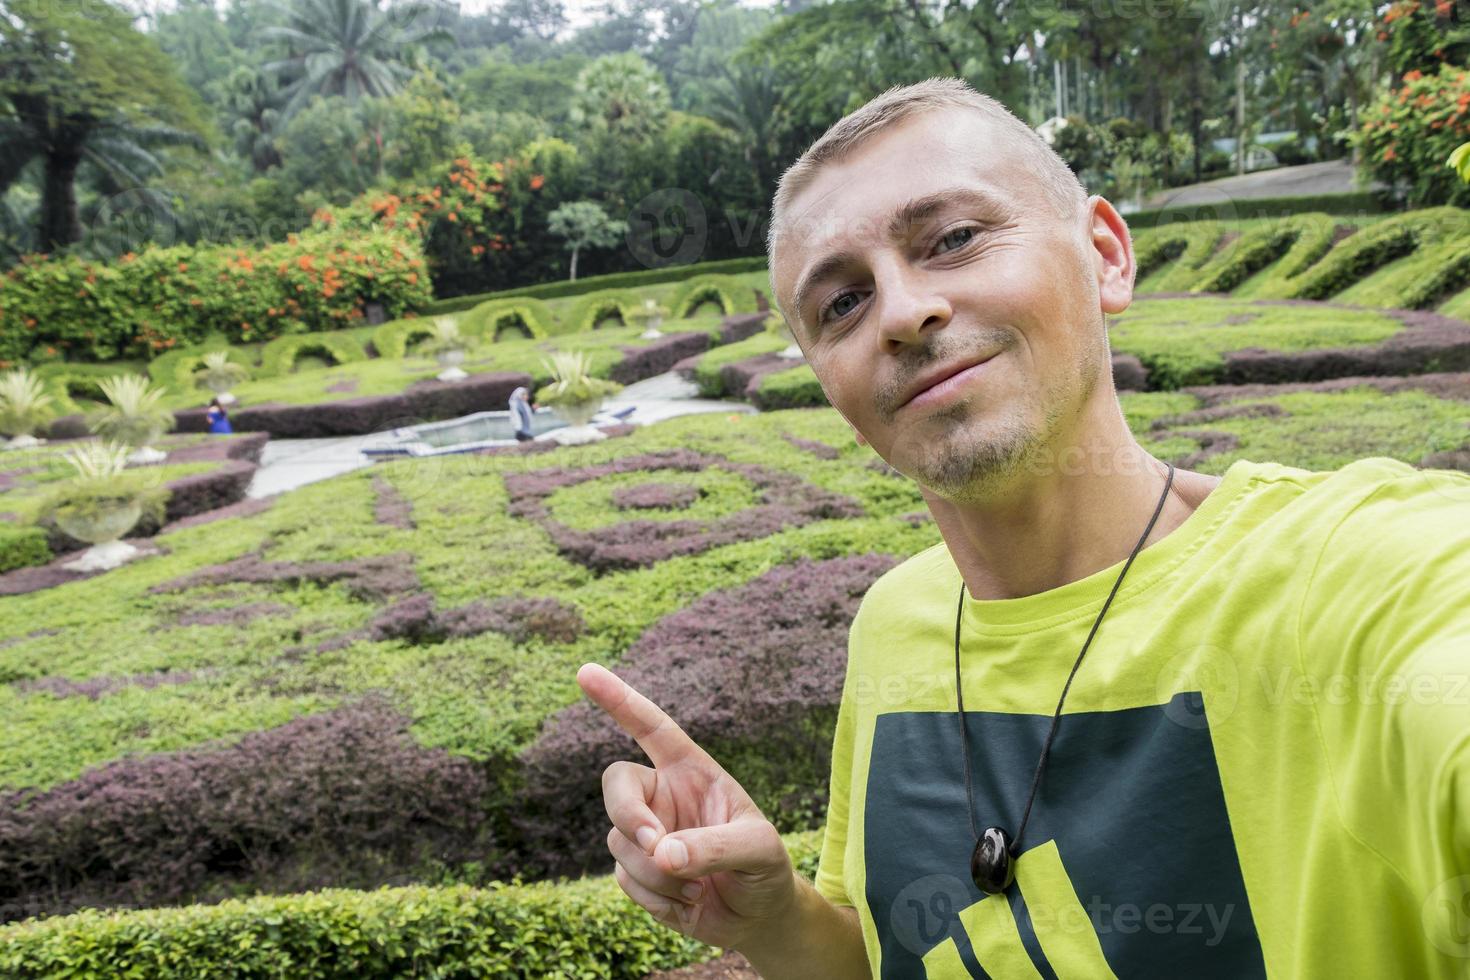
520,414
1262,765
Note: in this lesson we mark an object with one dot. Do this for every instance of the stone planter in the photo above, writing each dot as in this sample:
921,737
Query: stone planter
450,361
102,532
220,388
26,441
577,416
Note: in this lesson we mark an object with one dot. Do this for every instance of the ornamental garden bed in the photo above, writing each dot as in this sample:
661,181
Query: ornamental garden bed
201,474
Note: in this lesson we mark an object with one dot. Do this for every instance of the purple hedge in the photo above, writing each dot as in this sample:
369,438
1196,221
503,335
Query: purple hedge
786,501
753,674
655,496
345,798
422,401
370,579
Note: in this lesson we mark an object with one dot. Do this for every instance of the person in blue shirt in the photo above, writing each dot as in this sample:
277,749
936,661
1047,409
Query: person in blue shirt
520,412
219,419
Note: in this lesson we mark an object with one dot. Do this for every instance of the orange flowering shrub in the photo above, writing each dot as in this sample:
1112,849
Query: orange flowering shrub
146,303
1408,135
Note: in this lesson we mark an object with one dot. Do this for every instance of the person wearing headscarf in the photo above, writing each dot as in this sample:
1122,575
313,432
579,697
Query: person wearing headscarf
520,413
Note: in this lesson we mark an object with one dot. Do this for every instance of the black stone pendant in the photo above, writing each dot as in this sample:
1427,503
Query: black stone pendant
990,864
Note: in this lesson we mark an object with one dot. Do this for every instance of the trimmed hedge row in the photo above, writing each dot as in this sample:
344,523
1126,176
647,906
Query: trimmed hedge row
595,307
531,315
613,280
424,401
143,305
22,545
729,293
279,356
1253,251
1356,203
391,339
175,370
1187,246
584,928
797,387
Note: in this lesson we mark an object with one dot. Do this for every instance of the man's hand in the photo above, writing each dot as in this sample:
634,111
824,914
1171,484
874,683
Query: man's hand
691,846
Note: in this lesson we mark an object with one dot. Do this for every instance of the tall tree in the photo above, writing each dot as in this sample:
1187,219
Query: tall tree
85,89
350,48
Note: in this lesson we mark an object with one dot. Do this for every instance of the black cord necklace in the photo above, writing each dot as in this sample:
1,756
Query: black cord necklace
992,864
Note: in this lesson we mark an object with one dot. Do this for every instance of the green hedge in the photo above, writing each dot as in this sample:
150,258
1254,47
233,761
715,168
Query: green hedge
1247,255
1355,203
164,298
731,294
583,928
1376,246
1171,258
614,280
796,388
64,380
175,370
22,546
595,306
707,368
278,356
391,339
488,319
1281,278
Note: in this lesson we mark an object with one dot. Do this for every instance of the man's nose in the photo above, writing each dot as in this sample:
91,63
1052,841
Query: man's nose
908,304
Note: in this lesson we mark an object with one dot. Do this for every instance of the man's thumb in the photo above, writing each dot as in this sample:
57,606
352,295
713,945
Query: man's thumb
750,846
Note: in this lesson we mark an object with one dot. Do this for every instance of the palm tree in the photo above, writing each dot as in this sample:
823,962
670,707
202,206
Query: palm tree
746,99
620,94
75,81
349,47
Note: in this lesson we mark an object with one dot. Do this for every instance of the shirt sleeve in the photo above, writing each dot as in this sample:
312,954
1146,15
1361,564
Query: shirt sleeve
1385,629
830,881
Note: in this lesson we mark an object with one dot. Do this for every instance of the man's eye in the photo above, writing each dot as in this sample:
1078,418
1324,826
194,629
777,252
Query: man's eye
958,237
835,308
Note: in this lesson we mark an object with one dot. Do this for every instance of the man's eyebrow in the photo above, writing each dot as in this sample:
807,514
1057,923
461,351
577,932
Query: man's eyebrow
904,217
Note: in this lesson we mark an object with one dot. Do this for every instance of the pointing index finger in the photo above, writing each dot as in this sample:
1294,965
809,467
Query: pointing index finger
658,735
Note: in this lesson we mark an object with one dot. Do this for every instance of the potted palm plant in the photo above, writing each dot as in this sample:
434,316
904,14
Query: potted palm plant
574,395
134,418
447,345
651,315
776,325
102,502
220,374
24,408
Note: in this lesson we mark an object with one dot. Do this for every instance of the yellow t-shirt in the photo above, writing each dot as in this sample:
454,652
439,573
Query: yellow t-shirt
1262,767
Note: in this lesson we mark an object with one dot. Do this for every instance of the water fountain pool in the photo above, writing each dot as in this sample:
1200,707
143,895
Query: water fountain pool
471,432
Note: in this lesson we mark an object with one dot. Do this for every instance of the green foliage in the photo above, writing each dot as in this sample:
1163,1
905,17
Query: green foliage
101,484
391,340
279,356
1410,131
492,319
1184,247
1355,203
600,305
1258,248
1182,341
707,369
583,224
24,404
167,298
795,388
444,336
730,294
615,280
135,415
1280,279
177,370
1378,244
583,928
219,373
23,546
572,382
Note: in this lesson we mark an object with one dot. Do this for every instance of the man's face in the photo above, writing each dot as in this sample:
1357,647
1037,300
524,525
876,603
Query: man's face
985,272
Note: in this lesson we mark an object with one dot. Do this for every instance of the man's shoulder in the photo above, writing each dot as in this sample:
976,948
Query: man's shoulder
911,581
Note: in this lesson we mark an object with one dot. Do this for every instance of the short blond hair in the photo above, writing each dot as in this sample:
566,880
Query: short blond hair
1059,184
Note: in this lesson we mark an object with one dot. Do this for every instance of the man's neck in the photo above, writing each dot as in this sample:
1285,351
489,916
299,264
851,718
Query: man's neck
1058,526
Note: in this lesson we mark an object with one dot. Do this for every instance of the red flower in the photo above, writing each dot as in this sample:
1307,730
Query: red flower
1413,76
537,181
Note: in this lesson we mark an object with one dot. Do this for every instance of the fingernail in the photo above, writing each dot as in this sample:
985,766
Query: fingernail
646,838
692,891
677,854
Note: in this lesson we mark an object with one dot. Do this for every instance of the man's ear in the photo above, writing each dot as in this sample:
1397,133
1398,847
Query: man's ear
1111,251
